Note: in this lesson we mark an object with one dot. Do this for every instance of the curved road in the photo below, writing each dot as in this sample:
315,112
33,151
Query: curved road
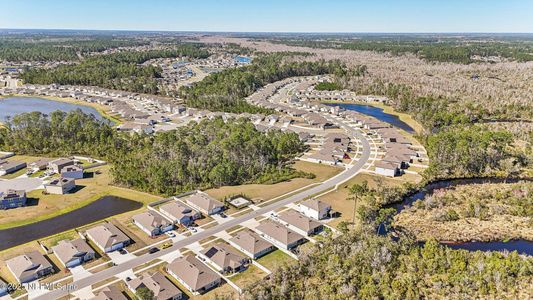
326,185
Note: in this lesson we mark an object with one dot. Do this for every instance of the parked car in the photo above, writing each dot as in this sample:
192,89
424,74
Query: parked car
153,250
192,229
123,251
223,215
171,234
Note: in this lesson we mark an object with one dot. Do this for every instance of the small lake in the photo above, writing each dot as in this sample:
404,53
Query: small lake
377,113
12,106
100,209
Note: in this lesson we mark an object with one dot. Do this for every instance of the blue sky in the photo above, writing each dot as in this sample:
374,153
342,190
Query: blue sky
272,15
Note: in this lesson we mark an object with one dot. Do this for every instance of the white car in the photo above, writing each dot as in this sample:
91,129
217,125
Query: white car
170,234
192,229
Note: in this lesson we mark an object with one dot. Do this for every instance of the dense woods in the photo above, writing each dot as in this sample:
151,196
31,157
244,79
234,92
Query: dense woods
225,91
119,71
16,50
209,154
365,266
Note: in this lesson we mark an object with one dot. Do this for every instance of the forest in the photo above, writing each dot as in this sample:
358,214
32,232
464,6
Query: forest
209,154
16,50
119,71
431,49
226,90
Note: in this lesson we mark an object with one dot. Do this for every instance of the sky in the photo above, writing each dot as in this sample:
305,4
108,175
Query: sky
272,15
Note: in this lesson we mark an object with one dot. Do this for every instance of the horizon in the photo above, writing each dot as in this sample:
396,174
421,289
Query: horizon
239,16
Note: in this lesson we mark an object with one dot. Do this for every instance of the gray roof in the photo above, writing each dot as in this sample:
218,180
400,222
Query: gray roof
193,272
162,287
204,201
28,264
67,251
107,235
109,293
224,256
299,221
151,220
279,232
177,210
250,241
61,181
316,205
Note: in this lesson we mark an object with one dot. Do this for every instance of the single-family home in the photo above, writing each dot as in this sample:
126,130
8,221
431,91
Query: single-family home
315,209
57,165
205,203
40,164
193,274
109,293
279,235
162,288
302,224
179,213
12,199
73,253
152,223
387,168
225,259
29,266
73,171
11,167
60,186
108,237
251,244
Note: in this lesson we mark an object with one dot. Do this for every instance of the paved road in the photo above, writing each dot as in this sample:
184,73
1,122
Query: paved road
328,184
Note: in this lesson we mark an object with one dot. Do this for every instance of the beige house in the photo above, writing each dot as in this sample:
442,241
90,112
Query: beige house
109,293
279,235
225,259
57,165
108,237
60,186
152,223
179,213
251,244
73,253
162,288
193,274
205,203
302,224
29,266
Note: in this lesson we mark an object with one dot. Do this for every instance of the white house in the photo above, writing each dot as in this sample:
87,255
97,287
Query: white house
73,171
315,209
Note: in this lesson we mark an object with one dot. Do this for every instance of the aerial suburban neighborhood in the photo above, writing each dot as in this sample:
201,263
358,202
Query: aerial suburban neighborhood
207,151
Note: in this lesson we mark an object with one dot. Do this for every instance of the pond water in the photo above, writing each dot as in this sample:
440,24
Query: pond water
12,106
521,246
377,113
102,208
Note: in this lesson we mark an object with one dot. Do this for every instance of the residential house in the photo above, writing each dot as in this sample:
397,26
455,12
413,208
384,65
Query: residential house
73,171
301,223
193,274
57,165
162,288
225,259
29,266
315,209
152,223
280,235
60,186
109,293
12,199
108,237
179,213
387,168
40,164
205,203
11,167
73,253
251,244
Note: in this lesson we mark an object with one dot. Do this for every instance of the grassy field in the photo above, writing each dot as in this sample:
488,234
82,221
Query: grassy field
261,192
49,206
248,277
275,259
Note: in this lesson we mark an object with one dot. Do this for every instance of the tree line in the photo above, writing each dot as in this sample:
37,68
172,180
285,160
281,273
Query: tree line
120,71
201,155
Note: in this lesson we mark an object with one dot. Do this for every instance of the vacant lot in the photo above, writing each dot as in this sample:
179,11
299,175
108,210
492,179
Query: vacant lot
275,259
261,192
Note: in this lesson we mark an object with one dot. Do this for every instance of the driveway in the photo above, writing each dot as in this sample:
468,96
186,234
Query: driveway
26,184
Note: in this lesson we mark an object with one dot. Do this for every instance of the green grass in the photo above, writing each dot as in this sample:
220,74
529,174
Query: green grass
275,259
15,174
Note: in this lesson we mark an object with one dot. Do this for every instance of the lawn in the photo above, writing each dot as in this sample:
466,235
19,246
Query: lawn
261,192
48,206
275,259
248,277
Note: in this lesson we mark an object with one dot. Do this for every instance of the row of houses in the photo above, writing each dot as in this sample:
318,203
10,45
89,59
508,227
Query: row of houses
335,148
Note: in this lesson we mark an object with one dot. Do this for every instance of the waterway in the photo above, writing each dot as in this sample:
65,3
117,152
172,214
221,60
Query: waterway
377,113
12,106
100,209
521,246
